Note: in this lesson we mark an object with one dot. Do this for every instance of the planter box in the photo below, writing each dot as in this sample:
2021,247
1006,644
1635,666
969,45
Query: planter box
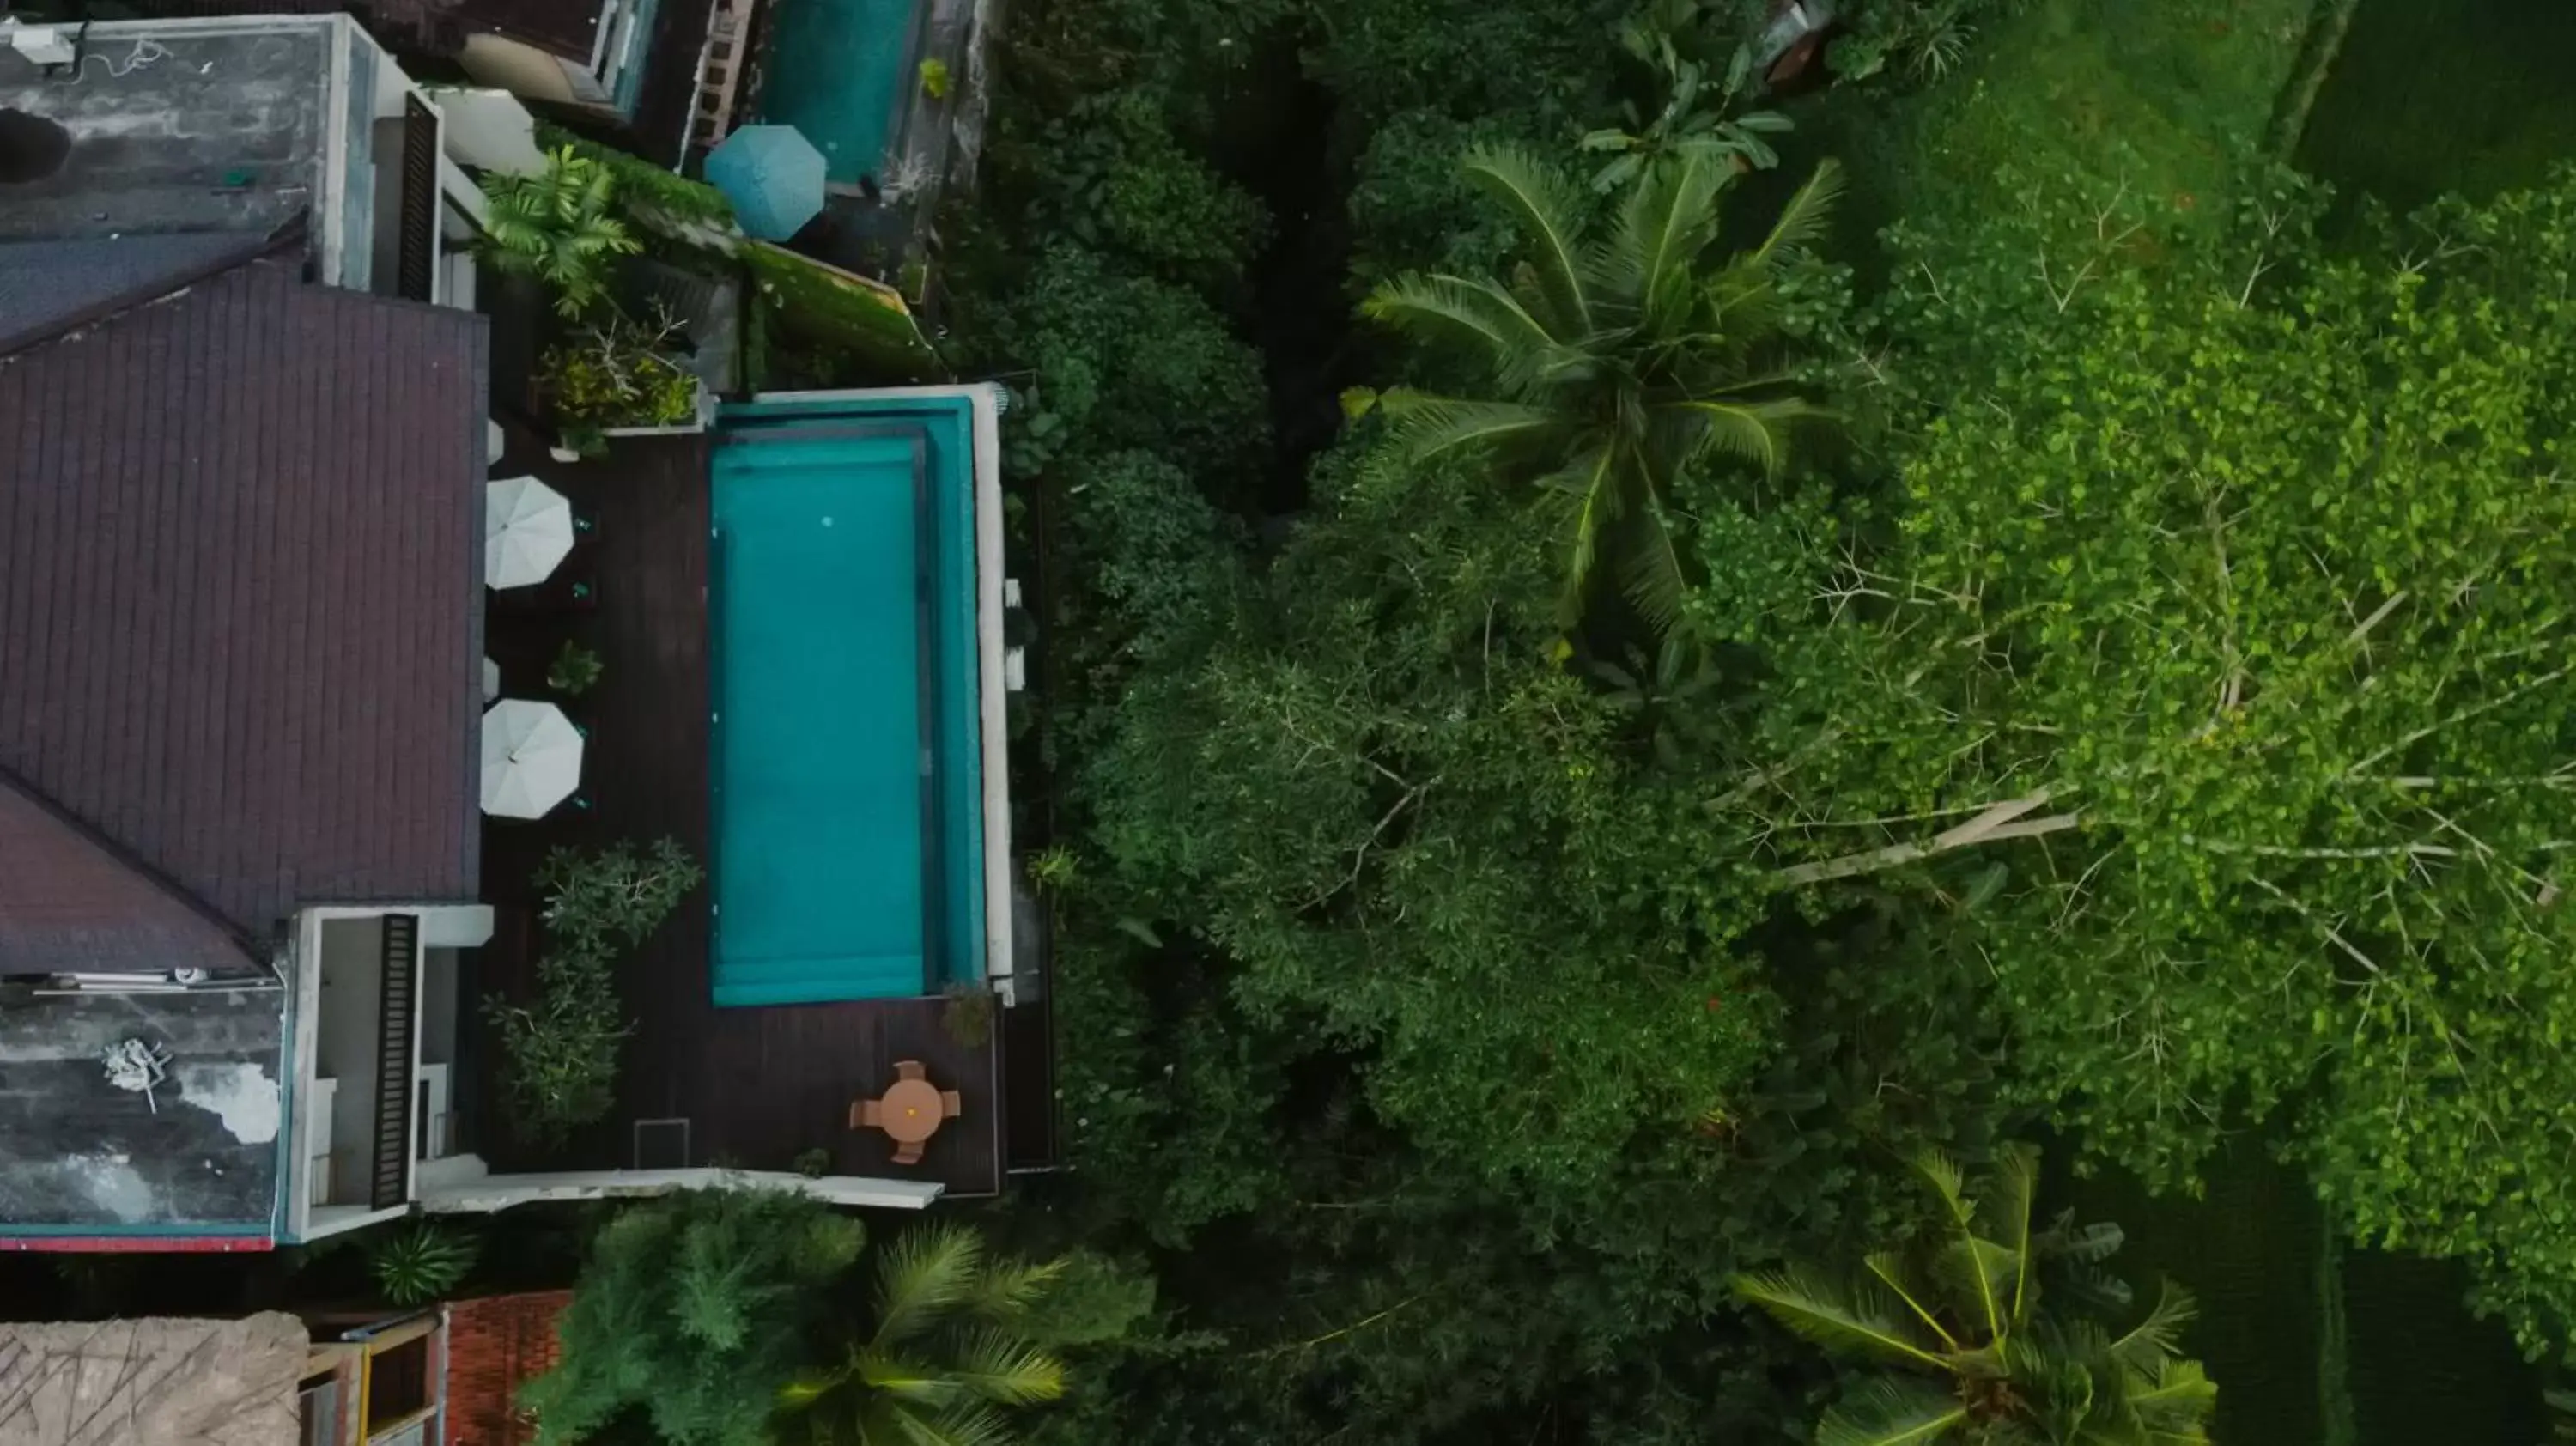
706,416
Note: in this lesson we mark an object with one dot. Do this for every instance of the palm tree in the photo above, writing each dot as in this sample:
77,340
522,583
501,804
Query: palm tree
1620,355
941,1360
555,224
1968,1354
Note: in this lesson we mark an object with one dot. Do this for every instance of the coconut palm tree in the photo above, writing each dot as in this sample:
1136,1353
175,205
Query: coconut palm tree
1966,1353
555,224
1626,351
941,1360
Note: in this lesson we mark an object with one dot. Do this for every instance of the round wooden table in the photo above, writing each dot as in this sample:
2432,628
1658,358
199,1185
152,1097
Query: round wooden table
910,1112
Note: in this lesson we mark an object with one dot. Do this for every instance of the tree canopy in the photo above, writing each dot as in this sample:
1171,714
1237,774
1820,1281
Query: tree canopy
2135,714
725,1316
2221,648
1619,360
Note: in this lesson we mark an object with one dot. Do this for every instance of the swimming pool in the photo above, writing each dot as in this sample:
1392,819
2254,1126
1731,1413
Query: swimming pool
841,71
849,780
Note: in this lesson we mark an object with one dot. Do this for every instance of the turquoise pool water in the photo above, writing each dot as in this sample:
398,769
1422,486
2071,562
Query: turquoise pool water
841,72
847,781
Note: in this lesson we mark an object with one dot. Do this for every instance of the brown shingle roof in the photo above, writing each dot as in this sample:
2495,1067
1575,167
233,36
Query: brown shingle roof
71,902
240,593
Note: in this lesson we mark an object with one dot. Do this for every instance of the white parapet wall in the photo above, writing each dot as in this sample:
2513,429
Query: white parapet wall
489,129
457,1187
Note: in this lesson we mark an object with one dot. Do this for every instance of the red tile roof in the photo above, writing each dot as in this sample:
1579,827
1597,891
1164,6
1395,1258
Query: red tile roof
241,602
493,1345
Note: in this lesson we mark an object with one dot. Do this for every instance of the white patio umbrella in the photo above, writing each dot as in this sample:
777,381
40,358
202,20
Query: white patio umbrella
527,529
531,758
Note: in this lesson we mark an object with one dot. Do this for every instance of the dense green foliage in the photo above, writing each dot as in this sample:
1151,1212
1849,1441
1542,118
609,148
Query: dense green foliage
1412,1042
1617,367
2136,710
692,1313
946,1350
560,1046
557,224
713,1317
2272,682
1972,1337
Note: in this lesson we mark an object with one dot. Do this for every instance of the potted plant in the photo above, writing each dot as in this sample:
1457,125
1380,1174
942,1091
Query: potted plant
574,671
617,374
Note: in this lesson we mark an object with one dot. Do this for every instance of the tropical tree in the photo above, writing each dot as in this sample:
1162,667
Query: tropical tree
1966,1351
555,224
1618,356
947,1350
2222,654
1683,101
690,1315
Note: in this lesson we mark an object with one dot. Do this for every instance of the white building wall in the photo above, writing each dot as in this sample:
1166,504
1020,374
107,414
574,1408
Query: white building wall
351,997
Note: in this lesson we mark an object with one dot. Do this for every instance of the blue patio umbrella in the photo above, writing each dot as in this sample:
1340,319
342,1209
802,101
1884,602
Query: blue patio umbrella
773,176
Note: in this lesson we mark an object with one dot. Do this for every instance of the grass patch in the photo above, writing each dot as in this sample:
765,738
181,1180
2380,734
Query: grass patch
2473,96
2163,94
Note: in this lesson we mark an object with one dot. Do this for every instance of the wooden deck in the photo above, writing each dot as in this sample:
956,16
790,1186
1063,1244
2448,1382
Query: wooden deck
758,1086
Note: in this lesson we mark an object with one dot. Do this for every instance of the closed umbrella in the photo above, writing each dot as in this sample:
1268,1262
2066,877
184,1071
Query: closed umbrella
772,175
531,758
527,529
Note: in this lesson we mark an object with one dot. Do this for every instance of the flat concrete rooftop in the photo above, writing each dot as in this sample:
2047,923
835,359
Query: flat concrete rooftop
78,1154
195,125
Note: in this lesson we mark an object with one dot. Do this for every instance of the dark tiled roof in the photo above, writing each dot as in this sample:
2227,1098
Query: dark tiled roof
47,286
71,903
240,591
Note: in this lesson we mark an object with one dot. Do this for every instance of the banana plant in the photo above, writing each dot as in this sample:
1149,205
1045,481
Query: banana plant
1682,104
1961,1347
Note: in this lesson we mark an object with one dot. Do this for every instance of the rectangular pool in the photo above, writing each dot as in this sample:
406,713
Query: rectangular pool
842,71
847,782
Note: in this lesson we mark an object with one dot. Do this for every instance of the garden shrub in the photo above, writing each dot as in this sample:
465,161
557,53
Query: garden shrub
560,1049
617,371
1129,361
420,1262
1118,181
